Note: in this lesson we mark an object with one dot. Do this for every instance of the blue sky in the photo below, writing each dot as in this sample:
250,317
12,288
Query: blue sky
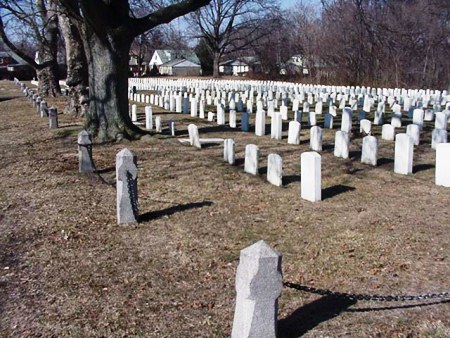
289,3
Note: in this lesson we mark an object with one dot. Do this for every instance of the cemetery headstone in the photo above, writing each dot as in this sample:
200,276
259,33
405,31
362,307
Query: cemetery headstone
311,176
275,169
404,150
251,164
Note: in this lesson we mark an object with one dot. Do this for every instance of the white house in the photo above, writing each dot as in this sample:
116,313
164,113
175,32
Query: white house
180,67
240,66
161,56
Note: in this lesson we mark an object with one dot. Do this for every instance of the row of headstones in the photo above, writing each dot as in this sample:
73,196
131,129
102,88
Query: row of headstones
403,158
40,105
179,102
406,97
418,116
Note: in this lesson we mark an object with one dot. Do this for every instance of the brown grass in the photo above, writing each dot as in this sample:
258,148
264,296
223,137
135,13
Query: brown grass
67,269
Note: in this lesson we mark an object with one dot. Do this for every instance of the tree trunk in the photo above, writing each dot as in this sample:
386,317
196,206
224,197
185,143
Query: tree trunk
216,61
77,73
48,75
48,80
108,116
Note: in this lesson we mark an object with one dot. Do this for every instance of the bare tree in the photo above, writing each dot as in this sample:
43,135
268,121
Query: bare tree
108,30
77,68
40,19
223,22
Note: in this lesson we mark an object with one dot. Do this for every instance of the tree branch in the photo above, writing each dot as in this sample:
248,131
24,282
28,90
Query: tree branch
166,14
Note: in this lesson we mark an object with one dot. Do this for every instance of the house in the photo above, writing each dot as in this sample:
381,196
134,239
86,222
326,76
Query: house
297,64
161,56
176,62
240,66
180,67
12,65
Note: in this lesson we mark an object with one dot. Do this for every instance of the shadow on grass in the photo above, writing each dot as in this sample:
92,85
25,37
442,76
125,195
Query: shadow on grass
170,211
291,179
7,98
335,190
422,167
309,316
384,160
395,307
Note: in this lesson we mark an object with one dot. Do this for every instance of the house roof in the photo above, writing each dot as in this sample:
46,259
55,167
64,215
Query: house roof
167,55
180,63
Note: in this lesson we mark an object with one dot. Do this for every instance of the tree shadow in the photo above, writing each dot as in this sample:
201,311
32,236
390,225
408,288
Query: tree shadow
422,167
148,216
7,98
309,316
335,190
291,179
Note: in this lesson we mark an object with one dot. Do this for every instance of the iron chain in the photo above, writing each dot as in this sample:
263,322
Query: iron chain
366,297
132,193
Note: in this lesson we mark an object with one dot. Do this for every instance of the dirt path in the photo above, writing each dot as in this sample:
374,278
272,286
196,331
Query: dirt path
67,269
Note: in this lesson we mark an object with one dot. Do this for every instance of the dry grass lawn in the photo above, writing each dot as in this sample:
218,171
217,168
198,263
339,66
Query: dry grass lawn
68,270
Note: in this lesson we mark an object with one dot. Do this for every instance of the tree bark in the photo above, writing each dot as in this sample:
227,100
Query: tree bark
216,61
108,116
48,75
77,67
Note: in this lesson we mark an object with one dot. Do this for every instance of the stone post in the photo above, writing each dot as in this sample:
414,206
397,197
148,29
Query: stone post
85,163
443,164
259,283
126,183
311,176
53,117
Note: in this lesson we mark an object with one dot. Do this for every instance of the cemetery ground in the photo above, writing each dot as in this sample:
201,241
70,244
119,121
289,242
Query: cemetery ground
67,269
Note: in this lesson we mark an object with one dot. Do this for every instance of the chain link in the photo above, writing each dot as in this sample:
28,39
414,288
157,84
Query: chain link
366,297
132,193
